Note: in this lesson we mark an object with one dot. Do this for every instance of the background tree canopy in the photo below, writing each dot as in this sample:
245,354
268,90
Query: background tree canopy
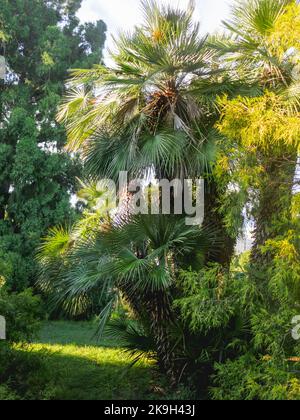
41,41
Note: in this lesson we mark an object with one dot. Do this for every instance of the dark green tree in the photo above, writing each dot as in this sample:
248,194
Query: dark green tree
40,40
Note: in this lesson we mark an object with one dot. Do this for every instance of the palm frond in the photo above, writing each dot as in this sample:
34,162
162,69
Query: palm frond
255,17
145,90
131,336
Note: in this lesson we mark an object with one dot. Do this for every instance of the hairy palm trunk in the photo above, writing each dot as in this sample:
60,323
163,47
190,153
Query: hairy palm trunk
155,312
161,317
273,211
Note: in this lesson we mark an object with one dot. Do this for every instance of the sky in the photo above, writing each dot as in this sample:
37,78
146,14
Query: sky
125,14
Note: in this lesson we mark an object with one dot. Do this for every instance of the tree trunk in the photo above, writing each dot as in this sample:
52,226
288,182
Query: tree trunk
273,211
4,196
213,218
161,317
155,312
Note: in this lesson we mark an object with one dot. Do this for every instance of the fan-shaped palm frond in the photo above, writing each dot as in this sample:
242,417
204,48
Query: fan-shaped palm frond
145,112
136,257
248,42
132,337
255,18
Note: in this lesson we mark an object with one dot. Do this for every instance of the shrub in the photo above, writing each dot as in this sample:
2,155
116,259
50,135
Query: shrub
22,313
6,394
24,375
250,378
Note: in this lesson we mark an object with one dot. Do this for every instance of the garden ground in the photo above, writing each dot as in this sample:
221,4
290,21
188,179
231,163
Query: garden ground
87,370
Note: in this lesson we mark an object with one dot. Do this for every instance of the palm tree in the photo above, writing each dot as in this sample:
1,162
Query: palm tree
154,111
251,52
137,258
146,110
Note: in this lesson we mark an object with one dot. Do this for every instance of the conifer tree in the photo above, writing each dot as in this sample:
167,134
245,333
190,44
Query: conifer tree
40,40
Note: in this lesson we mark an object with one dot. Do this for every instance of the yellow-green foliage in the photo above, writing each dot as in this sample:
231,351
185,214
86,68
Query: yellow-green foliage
248,378
285,269
296,207
286,33
263,122
47,59
3,36
210,298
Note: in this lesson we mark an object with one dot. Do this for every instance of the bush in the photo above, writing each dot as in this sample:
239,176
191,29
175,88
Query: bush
24,375
22,313
6,394
249,378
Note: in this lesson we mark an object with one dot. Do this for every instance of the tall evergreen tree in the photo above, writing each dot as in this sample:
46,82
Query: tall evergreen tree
40,40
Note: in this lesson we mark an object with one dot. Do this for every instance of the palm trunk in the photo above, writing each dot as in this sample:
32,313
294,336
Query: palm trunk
161,318
273,212
155,312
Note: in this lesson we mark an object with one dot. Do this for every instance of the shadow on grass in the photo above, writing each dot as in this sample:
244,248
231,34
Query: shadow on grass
78,367
67,363
89,373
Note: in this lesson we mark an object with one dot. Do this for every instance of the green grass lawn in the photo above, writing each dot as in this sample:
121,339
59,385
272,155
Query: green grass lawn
70,332
87,370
